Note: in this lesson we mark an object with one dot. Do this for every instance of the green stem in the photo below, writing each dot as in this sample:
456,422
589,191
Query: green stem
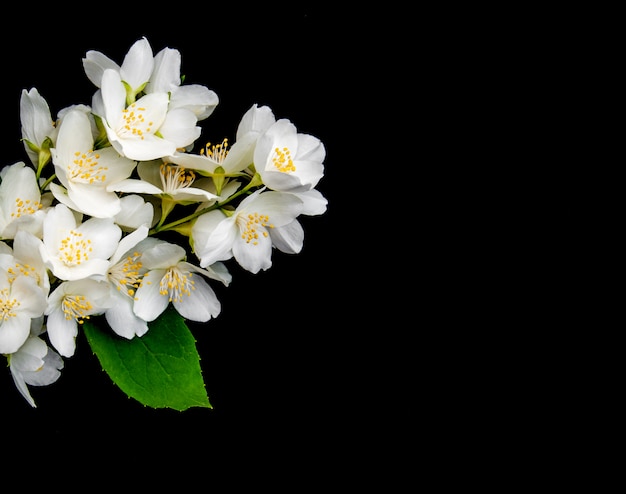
47,182
173,224
256,180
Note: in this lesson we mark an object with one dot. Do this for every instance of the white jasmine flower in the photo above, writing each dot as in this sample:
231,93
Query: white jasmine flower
170,279
146,129
124,277
21,204
119,170
84,172
135,70
134,131
25,260
38,129
34,363
21,299
287,160
69,305
165,179
73,251
244,233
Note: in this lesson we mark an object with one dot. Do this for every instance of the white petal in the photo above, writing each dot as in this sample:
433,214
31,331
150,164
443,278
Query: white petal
214,235
94,201
35,117
49,373
201,305
123,320
289,238
256,119
198,99
149,148
30,355
131,185
20,384
62,332
149,303
162,255
13,333
138,64
113,98
95,63
180,128
74,136
135,212
104,235
254,256
128,242
166,74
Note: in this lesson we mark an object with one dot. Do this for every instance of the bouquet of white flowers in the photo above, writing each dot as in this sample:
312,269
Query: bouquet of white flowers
118,228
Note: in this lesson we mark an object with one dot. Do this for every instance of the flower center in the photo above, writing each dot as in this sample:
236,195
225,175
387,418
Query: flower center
282,160
217,152
249,225
74,249
176,283
25,207
174,178
86,169
76,307
126,274
135,124
7,305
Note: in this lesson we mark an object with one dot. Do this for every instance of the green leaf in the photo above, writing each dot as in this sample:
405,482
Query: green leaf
161,369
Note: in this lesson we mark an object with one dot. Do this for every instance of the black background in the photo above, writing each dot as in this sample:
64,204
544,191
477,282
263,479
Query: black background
283,362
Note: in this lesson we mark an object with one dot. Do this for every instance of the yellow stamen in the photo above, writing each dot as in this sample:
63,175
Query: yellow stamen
7,305
174,178
76,307
176,283
126,274
74,249
135,122
217,152
282,160
248,224
86,169
25,207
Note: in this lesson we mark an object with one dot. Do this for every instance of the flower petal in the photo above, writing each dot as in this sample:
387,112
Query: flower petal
201,304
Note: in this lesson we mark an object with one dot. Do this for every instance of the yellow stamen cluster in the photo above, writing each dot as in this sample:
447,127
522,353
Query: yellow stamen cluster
25,207
176,283
7,305
174,177
74,249
282,160
85,168
249,224
127,274
76,307
23,270
134,121
217,152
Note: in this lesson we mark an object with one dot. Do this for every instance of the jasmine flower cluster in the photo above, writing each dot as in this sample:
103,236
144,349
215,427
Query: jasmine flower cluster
80,221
